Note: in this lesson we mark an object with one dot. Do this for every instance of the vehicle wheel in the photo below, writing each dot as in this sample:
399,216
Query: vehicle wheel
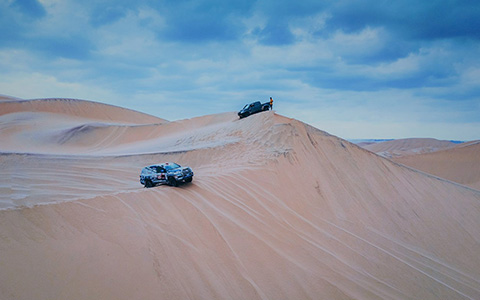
188,180
148,183
172,181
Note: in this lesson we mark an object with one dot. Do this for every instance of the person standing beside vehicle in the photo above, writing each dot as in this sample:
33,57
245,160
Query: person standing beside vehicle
271,103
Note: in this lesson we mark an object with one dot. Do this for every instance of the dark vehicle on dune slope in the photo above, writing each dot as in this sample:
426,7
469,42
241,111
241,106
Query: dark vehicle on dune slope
253,108
167,173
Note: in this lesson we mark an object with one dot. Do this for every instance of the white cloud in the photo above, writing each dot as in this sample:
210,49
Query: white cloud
131,38
37,85
358,44
63,18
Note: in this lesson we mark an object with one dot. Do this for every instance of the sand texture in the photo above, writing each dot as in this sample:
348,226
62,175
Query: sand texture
459,164
277,210
405,147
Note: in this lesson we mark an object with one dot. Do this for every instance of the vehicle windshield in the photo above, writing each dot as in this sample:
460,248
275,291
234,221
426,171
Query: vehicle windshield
171,166
159,169
246,105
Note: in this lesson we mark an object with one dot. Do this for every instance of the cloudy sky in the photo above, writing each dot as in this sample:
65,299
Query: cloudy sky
356,69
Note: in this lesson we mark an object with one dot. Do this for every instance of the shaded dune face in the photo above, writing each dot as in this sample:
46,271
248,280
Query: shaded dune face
277,210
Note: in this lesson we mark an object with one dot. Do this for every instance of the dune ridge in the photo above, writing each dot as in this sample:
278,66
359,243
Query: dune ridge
78,108
277,210
8,98
460,163
410,146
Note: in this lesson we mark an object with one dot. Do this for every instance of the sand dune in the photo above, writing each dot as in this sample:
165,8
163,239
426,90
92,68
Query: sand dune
404,147
456,162
78,109
277,210
68,126
460,163
8,98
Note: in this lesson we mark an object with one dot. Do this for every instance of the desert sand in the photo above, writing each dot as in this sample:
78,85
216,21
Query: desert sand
277,210
410,146
460,163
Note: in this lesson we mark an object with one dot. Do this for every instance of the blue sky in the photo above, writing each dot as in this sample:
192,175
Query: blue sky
356,69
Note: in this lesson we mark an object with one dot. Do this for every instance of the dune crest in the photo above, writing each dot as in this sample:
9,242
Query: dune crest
78,108
460,163
405,147
277,210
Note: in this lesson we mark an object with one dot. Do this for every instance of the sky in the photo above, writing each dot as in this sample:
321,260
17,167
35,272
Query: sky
356,69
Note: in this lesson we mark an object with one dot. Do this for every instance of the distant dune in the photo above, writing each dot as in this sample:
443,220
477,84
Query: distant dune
76,108
459,164
8,98
403,147
277,210
68,125
456,162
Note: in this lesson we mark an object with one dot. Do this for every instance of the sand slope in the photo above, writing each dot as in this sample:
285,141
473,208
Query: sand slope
460,163
78,109
404,147
277,210
8,98
67,125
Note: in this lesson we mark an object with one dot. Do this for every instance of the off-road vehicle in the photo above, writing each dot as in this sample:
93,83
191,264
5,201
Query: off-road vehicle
167,173
253,108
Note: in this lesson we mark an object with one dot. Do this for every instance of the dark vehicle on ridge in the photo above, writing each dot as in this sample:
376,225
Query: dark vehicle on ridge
167,173
253,108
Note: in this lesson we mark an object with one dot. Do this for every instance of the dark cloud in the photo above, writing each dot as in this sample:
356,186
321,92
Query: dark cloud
194,21
434,19
198,28
430,71
19,30
30,8
443,20
284,10
366,83
409,25
388,49
279,16
17,19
